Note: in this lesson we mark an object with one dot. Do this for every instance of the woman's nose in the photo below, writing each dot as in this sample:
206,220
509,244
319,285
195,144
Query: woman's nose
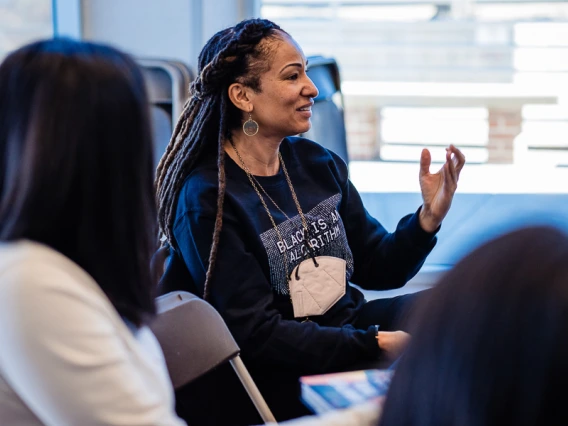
310,89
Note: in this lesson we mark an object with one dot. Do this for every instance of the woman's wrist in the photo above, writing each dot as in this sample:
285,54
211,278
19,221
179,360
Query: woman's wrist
427,221
392,343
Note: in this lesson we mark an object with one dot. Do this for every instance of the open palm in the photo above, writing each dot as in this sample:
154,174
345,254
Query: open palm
438,189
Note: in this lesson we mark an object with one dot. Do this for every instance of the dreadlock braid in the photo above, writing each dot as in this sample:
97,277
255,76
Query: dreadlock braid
220,199
177,162
181,128
232,55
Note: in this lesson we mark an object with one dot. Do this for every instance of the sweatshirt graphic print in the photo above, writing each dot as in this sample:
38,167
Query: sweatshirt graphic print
327,237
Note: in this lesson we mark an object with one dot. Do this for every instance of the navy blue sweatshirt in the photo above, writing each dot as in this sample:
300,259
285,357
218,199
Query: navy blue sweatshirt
249,287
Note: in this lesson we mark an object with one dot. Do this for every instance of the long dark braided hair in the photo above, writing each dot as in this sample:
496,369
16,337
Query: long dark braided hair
232,55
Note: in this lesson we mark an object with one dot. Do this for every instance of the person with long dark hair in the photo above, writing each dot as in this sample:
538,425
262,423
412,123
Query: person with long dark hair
77,230
490,341
268,227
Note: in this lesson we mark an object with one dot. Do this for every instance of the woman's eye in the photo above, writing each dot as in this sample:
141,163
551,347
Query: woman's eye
293,77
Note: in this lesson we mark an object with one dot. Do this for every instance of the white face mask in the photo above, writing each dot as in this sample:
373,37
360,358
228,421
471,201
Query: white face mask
315,289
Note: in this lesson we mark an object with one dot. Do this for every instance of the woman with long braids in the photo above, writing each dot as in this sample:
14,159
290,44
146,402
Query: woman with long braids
268,228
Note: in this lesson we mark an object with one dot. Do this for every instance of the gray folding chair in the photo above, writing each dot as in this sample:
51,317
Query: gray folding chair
328,122
195,340
167,84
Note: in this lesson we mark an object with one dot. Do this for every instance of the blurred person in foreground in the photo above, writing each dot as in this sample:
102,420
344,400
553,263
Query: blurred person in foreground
77,226
490,342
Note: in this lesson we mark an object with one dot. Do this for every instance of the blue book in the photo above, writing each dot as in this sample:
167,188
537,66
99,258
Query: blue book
325,392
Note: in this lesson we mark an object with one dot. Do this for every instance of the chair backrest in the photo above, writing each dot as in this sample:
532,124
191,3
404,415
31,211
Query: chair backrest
158,265
193,336
161,131
195,340
167,83
328,122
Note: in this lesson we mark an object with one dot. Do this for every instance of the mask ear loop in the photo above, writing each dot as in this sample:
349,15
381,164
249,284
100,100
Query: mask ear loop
311,254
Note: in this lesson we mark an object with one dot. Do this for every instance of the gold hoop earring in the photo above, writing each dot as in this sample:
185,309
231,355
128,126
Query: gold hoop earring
250,127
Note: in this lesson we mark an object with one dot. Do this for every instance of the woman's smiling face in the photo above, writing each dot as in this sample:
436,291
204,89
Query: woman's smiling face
283,105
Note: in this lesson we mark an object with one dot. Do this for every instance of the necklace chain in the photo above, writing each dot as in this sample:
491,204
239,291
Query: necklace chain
256,184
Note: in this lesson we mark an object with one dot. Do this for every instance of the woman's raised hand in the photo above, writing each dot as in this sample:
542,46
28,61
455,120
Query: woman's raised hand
438,188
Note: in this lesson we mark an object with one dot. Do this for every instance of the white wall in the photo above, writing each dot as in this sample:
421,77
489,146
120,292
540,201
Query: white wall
168,29
149,28
23,21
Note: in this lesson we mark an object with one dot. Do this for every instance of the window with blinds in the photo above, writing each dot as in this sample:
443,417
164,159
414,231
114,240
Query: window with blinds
487,75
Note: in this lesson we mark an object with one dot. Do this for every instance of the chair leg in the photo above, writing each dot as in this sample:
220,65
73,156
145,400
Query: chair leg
252,390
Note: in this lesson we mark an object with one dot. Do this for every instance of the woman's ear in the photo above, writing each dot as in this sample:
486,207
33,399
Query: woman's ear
240,97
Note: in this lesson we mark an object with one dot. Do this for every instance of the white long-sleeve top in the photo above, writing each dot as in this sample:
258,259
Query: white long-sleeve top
66,355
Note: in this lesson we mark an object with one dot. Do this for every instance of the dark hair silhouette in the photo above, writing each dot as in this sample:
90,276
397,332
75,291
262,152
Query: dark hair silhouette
232,55
490,347
76,163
